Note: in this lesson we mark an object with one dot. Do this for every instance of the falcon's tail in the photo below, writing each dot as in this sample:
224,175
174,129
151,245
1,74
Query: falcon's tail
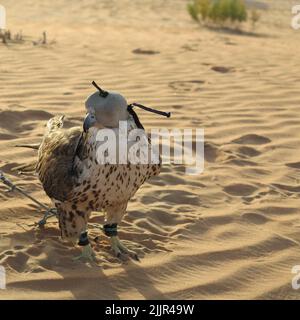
54,124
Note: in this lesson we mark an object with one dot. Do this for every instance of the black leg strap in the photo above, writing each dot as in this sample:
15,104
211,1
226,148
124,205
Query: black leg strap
83,240
110,230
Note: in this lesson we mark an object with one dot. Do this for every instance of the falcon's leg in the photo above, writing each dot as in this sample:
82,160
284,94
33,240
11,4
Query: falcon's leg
87,251
119,249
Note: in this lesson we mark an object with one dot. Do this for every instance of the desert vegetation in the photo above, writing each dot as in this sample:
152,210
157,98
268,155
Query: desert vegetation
7,37
222,13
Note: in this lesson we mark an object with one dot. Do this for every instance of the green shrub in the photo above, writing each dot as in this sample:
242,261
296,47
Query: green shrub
204,7
254,16
220,12
192,9
238,11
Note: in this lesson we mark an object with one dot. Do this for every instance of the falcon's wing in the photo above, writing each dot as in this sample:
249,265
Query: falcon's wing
56,158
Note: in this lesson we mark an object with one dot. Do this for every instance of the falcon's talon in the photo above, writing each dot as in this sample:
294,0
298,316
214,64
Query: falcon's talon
86,254
121,256
121,251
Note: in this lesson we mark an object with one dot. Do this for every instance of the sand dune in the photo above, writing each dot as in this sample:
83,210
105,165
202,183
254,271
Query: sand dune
231,232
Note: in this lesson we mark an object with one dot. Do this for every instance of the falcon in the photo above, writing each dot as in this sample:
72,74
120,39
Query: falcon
79,183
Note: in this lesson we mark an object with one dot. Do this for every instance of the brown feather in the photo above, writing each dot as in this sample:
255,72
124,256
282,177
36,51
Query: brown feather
55,160
68,169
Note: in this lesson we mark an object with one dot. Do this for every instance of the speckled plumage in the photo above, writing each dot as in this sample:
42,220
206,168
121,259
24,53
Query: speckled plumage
78,185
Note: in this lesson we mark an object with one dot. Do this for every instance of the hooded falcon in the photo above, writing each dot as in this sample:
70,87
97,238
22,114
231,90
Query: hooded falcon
80,179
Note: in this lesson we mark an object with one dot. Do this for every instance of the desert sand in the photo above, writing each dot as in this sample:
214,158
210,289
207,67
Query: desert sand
233,231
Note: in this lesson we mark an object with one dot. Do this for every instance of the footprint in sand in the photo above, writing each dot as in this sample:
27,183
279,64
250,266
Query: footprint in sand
174,196
8,253
190,47
255,218
8,168
295,165
18,247
288,188
34,251
221,69
186,86
170,179
257,196
240,155
230,43
178,106
241,162
253,139
180,197
248,152
240,189
13,120
211,152
17,261
5,136
145,51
